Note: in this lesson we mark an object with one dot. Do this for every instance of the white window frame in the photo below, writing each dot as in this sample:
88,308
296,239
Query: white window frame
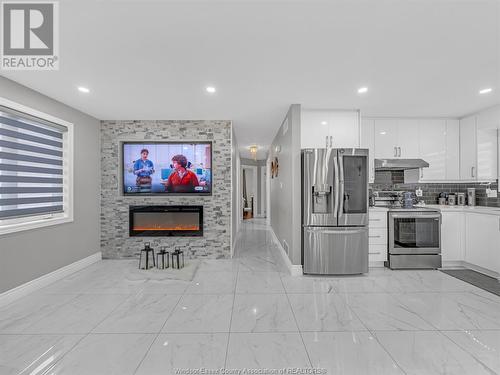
45,220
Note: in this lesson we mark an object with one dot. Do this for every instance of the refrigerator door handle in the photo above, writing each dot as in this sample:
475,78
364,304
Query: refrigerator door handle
340,192
336,192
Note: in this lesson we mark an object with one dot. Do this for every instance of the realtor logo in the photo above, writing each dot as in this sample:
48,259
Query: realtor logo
30,35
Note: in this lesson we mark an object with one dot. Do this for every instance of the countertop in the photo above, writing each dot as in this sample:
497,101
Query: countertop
442,208
469,209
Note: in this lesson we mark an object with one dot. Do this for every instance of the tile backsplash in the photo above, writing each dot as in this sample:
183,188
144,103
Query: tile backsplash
431,191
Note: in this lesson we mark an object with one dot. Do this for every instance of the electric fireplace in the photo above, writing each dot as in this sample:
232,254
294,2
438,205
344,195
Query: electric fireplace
160,221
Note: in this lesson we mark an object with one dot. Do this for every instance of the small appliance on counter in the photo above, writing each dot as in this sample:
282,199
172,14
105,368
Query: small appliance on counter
452,200
443,198
460,199
471,196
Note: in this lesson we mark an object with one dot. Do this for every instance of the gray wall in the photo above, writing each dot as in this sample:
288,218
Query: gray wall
31,254
285,189
260,164
115,241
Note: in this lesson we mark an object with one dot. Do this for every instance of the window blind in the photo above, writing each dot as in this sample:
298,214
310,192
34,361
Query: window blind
31,166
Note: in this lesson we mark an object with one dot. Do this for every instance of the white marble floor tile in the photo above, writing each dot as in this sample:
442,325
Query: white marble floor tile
259,282
105,354
165,287
141,313
79,315
33,354
409,281
205,313
324,312
482,345
381,311
262,313
349,353
19,315
212,283
258,264
358,284
429,352
266,350
306,284
453,311
218,265
184,351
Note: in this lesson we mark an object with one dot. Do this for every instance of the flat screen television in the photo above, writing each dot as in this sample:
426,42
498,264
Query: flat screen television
167,168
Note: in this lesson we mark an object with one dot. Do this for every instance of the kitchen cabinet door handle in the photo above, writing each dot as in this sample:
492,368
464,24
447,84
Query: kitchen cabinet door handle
399,151
375,236
472,171
376,253
421,172
395,152
374,219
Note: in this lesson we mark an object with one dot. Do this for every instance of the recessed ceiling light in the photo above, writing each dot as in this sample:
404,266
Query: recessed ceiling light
486,91
323,123
362,90
210,89
83,89
383,133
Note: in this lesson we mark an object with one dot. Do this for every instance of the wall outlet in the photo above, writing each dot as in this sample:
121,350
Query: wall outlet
491,193
418,192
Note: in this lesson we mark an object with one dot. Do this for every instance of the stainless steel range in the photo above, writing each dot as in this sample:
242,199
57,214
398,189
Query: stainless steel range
414,233
414,238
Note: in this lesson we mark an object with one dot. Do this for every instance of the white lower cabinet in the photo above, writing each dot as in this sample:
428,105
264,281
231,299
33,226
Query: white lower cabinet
452,236
377,237
482,240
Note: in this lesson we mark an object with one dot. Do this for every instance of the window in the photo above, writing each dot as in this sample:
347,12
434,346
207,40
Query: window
35,169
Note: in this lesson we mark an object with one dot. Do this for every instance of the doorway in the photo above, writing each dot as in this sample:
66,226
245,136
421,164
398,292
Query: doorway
249,191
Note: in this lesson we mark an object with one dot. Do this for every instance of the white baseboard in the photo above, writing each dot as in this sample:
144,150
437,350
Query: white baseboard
42,281
295,269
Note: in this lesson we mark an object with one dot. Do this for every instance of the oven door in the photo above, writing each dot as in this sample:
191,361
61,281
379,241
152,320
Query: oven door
414,233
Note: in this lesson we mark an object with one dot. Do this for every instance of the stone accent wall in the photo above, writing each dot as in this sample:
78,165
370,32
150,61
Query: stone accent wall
216,241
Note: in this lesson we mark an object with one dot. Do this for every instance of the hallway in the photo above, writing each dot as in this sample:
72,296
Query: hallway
249,313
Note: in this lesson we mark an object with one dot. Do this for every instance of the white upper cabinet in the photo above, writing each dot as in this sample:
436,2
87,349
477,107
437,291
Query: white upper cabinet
432,145
439,146
479,146
487,125
329,128
386,138
408,130
368,141
468,144
452,150
395,138
314,131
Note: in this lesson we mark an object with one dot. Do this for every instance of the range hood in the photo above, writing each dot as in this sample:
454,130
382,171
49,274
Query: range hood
399,164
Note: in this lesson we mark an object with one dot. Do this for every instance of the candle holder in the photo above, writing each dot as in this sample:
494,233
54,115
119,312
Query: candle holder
163,251
147,249
178,258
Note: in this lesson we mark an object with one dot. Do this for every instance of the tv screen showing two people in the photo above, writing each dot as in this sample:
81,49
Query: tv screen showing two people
163,168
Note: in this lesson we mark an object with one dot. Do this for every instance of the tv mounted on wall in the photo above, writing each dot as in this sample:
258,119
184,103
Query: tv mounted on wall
167,168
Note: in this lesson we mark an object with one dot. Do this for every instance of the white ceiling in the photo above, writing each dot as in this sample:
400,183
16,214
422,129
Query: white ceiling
153,59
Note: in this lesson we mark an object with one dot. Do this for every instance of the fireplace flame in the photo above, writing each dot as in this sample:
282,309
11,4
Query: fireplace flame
159,227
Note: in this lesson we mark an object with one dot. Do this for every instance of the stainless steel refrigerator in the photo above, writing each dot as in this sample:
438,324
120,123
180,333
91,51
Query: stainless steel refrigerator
335,211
